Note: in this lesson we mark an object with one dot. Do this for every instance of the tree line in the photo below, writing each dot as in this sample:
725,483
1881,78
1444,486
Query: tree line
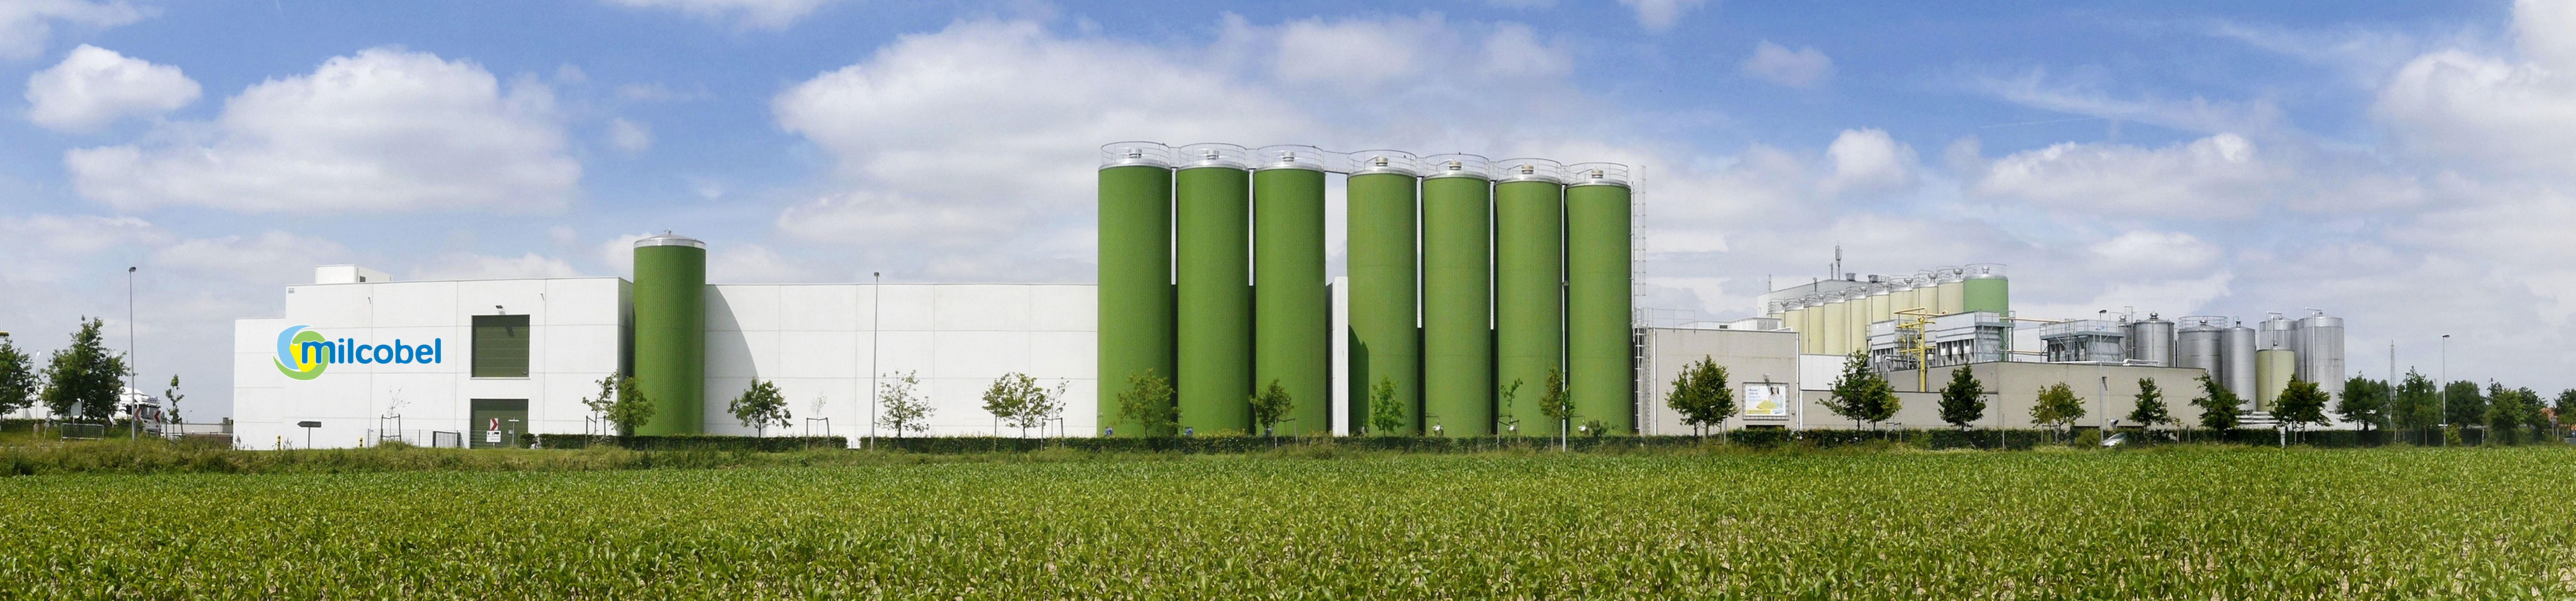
81,381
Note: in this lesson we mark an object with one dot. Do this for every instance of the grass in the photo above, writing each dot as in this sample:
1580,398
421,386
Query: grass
2183,522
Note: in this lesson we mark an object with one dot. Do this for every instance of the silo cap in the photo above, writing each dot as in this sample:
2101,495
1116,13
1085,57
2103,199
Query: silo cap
666,238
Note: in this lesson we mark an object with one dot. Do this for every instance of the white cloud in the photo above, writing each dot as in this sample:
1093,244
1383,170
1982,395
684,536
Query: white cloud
2486,114
1867,160
2037,89
272,257
1356,52
469,266
1660,15
756,14
629,136
95,85
2151,253
2220,176
26,25
383,130
1801,68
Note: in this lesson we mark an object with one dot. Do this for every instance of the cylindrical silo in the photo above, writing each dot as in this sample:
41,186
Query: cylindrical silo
1856,335
671,332
1903,298
1292,313
2151,342
2239,353
1986,289
1795,318
1386,333
1211,206
1599,352
1529,284
2277,333
2199,343
1836,327
2320,346
1457,296
2273,368
1136,312
1953,291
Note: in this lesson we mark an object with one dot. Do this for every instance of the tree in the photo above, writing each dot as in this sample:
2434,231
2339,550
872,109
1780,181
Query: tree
759,406
1963,402
901,407
1506,420
2505,409
2462,405
621,403
1556,405
2218,412
1861,394
18,382
1271,407
2417,404
1385,418
1149,404
2302,404
85,378
172,395
1017,400
1701,395
2365,401
2565,412
2150,408
2535,413
2057,405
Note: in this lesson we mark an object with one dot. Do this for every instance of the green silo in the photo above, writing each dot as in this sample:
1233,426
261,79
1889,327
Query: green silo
1600,374
1386,336
1529,288
1292,312
1212,248
671,332
1457,302
1986,290
1136,303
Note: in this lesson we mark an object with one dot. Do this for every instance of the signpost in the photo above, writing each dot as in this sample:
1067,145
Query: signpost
308,426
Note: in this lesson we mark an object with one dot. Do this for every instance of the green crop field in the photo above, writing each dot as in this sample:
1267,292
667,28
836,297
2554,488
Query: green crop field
2195,523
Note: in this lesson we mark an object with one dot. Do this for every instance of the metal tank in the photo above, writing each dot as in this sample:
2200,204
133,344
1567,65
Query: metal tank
1212,203
2151,341
2200,343
1882,304
2239,353
671,332
2320,345
1795,318
2277,333
1135,293
1600,368
1529,283
1811,337
1986,289
1904,297
1856,333
1386,331
1837,325
1457,289
2273,368
1292,312
1953,290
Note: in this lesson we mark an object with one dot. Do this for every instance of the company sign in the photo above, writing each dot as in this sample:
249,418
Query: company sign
1766,400
303,353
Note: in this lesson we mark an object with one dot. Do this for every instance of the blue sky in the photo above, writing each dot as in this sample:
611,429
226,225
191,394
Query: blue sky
2404,165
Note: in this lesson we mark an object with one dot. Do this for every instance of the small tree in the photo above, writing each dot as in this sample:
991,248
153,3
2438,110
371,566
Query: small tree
85,378
631,410
1148,402
1016,399
2150,408
2302,404
1385,418
2504,416
2218,411
1861,394
2057,405
1963,402
1507,421
2463,405
2418,403
2364,401
2565,412
901,406
759,406
172,395
18,382
1558,406
1701,395
1271,407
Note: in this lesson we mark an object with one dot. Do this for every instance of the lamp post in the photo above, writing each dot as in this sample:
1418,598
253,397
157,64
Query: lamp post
876,310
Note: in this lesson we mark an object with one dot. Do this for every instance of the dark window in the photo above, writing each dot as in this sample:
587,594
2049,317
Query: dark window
500,346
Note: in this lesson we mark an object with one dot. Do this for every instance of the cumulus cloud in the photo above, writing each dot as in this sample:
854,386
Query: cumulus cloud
2490,114
469,266
2213,177
629,136
272,257
1801,68
751,14
95,85
382,130
1867,160
2155,253
1660,15
26,25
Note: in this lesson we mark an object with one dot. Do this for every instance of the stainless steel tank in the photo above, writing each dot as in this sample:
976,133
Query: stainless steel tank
2276,333
2199,344
2319,340
2151,341
2238,353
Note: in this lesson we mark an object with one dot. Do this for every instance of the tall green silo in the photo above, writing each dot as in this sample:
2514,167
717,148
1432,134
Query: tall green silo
1136,303
671,332
1598,352
1529,288
1212,203
1292,312
1457,301
1986,290
1386,334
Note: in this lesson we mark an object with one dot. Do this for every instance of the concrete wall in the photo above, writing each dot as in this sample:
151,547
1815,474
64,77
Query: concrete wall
1747,355
821,342
2108,393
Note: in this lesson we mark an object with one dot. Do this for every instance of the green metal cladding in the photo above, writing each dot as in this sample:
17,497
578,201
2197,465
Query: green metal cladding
1292,311
1212,248
1136,296
1986,293
670,332
1600,373
1457,303
1386,338
1529,284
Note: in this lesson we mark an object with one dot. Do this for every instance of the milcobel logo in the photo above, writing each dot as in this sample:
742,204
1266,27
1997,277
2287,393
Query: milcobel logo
303,353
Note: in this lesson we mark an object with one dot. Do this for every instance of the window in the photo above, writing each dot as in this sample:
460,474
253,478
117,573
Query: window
500,346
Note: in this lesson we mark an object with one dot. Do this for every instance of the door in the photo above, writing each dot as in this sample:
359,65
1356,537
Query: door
497,423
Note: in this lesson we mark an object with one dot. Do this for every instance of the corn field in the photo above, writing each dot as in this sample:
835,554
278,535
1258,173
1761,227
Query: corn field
2177,523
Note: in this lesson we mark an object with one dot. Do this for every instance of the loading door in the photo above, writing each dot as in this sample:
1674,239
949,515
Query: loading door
497,423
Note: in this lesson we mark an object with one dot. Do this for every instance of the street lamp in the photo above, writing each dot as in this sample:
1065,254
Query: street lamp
876,330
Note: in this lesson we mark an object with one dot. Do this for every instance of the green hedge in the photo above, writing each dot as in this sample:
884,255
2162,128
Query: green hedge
691,443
